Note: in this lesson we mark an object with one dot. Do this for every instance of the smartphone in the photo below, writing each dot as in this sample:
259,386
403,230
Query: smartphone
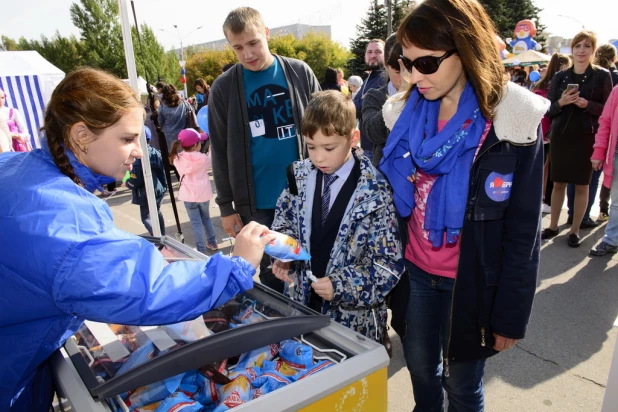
572,86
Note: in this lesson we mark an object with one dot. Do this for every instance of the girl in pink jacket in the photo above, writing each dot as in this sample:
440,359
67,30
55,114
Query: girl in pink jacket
195,189
604,156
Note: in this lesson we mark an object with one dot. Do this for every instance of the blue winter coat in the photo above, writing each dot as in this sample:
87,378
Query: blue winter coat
62,261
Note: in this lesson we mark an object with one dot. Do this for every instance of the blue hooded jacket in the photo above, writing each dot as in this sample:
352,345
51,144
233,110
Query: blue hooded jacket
62,261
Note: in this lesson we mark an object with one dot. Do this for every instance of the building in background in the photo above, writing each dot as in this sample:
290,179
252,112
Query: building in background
297,30
558,44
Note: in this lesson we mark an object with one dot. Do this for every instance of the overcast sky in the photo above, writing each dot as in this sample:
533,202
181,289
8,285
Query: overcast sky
33,18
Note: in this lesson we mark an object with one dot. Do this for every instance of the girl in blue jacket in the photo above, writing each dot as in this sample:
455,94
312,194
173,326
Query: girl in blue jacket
54,232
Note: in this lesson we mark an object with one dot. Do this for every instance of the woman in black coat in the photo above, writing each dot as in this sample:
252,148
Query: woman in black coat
577,95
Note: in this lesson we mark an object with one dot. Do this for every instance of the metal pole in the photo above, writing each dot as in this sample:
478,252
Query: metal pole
132,71
182,53
182,60
389,20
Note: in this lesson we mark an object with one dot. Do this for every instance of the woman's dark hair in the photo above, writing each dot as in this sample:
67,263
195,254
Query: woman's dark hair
461,25
330,76
556,61
90,96
388,46
201,82
392,59
170,95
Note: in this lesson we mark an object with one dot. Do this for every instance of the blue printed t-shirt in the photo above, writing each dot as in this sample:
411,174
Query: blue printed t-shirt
274,143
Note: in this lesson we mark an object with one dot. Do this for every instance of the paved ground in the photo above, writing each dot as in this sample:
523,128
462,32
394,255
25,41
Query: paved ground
563,363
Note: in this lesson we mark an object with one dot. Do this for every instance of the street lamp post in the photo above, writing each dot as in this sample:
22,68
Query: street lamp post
182,55
574,19
182,61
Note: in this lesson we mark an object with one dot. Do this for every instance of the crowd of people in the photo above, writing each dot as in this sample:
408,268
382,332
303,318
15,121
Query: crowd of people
378,179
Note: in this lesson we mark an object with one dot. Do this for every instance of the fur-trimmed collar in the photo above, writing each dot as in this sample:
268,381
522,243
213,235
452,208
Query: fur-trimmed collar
516,118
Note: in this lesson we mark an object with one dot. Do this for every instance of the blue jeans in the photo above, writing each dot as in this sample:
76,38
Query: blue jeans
199,214
144,213
611,230
592,194
428,320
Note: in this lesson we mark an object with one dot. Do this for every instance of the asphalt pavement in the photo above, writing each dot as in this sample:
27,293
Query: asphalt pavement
563,363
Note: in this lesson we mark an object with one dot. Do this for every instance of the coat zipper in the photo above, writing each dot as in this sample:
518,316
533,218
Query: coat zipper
447,371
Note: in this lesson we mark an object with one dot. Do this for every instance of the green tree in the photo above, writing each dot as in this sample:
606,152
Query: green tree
151,60
372,27
400,9
8,44
206,64
317,50
101,34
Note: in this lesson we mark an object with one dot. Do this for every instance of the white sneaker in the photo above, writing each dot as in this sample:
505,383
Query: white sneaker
546,208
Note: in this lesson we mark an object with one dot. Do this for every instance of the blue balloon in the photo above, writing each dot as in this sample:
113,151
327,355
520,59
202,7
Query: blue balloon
183,71
202,119
534,76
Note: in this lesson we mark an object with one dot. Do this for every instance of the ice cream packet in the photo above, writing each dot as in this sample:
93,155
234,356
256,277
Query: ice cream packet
268,382
179,401
234,394
250,373
152,393
296,355
286,248
249,316
279,366
257,357
148,408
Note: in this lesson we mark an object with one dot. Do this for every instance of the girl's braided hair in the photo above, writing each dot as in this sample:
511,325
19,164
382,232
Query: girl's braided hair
92,96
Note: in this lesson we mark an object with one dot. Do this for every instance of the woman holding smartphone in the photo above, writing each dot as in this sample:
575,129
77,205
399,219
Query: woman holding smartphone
577,95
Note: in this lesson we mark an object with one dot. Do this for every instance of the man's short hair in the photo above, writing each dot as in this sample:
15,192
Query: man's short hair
238,20
374,41
227,67
160,85
330,112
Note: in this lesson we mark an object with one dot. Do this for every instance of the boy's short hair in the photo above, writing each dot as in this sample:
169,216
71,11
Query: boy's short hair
330,112
238,20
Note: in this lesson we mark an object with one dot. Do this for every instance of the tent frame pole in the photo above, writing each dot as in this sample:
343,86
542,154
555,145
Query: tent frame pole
132,72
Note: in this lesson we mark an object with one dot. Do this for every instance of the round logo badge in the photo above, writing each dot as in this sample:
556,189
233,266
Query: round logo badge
498,186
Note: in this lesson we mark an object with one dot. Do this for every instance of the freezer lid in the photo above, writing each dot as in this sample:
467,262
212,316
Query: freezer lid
215,348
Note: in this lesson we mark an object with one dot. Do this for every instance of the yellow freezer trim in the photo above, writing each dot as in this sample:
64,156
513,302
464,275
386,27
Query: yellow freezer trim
365,395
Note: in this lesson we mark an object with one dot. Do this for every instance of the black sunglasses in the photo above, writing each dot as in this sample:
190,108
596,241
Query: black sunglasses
426,64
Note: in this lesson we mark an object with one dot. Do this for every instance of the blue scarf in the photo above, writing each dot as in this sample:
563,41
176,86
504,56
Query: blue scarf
89,179
415,143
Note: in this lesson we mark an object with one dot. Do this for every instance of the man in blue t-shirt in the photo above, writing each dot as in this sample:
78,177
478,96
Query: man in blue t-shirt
254,116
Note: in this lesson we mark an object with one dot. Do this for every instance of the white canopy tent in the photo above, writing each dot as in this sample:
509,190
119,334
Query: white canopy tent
28,81
141,85
527,58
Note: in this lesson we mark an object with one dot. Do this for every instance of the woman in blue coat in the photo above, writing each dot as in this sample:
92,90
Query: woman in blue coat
62,260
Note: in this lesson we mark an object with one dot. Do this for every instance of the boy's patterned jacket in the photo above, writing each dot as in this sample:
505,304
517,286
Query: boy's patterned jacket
366,260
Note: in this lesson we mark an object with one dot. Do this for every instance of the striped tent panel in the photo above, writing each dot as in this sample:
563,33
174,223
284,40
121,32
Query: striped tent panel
24,94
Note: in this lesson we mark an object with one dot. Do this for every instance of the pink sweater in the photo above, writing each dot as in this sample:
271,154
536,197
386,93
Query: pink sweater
193,169
605,140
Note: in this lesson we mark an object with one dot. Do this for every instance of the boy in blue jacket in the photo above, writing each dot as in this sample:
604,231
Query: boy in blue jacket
340,209
138,186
